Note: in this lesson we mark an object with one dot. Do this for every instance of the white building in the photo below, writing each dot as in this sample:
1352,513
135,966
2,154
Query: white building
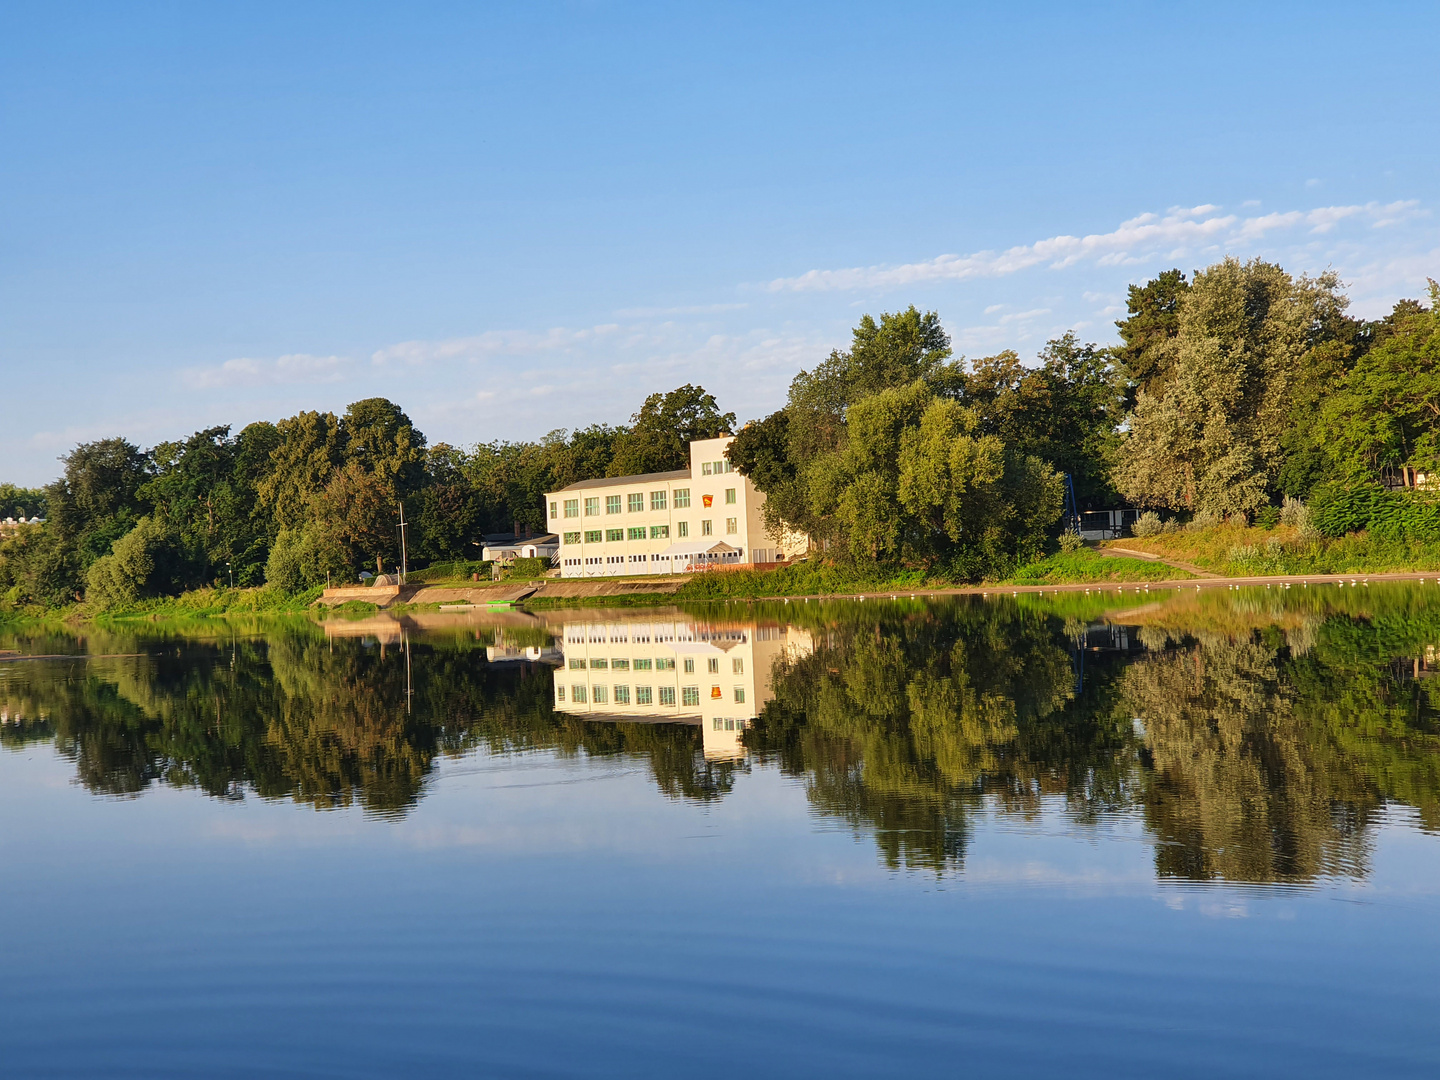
714,675
670,522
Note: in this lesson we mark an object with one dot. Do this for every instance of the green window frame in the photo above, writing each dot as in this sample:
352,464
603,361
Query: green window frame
597,694
612,535
667,695
599,662
689,665
729,496
690,695
572,507
638,533
572,538
641,665
560,693
619,665
707,528
637,501
554,510
682,498
642,695
665,663
622,695
577,663
592,536
577,695
739,695
612,504
682,529
592,507
659,532
657,500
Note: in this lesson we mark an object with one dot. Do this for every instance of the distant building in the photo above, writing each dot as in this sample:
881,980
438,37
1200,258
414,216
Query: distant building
9,526
507,547
659,523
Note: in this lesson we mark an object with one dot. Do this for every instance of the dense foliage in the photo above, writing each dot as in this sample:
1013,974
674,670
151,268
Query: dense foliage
313,497
1232,390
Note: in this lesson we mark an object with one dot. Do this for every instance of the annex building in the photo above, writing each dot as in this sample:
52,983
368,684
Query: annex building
665,523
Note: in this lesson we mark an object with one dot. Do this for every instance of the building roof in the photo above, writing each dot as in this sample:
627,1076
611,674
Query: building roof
626,481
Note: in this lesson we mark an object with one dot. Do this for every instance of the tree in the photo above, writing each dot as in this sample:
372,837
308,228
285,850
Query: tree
97,501
150,560
1065,412
311,447
448,511
1213,439
1153,322
380,438
18,502
1385,415
357,514
660,434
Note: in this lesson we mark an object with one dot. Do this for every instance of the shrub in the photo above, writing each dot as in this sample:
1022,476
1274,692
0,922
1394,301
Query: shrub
1389,515
147,561
1148,524
1205,519
1071,541
1268,517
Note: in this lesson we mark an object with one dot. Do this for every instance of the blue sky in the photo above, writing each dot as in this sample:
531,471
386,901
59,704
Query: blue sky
516,218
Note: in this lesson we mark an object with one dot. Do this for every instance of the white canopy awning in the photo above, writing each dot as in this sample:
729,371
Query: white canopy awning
689,549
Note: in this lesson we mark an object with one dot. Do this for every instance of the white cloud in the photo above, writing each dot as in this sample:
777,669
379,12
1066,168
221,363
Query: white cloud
1176,234
282,371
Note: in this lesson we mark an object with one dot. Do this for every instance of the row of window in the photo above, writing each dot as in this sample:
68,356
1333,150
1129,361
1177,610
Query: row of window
730,725
664,663
657,532
715,468
599,694
634,502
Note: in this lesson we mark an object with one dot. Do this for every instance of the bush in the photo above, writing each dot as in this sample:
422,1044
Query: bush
528,568
301,558
1268,517
1147,524
1205,519
147,561
1389,515
1071,541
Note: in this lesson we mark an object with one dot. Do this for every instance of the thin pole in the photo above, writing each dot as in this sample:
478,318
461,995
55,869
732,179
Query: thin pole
404,565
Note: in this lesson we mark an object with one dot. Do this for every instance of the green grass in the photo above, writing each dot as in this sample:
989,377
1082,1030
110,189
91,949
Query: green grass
810,578
1252,551
1085,566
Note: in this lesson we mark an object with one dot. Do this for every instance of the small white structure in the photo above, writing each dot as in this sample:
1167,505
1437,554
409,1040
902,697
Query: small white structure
509,548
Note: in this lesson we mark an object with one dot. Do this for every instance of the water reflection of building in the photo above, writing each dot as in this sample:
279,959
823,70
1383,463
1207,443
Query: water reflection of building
716,675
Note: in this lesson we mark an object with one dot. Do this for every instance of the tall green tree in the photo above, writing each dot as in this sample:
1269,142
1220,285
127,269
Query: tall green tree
1213,439
659,436
1146,333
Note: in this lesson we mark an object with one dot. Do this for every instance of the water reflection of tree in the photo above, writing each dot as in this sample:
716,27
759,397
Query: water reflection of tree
901,721
1270,757
291,714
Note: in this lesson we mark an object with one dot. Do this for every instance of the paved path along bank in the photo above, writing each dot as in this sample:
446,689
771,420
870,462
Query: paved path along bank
1279,582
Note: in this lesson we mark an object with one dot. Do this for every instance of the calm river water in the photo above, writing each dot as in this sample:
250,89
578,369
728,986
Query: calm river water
1166,833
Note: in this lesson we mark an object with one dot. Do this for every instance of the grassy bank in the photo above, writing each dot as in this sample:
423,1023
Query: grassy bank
1253,551
1086,566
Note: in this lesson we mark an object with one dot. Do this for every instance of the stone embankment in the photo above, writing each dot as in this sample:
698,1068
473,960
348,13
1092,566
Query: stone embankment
385,596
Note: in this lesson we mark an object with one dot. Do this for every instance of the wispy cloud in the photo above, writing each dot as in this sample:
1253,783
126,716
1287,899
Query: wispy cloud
1171,235
289,370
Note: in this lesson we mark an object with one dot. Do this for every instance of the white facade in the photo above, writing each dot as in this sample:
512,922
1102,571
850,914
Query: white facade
663,523
715,675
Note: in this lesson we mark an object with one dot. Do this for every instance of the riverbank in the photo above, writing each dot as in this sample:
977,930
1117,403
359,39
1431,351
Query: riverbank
1173,560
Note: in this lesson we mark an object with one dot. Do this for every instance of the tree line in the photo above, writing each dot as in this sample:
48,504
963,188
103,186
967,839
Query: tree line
312,497
1232,389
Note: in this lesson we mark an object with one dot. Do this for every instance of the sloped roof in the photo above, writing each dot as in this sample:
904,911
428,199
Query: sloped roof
626,481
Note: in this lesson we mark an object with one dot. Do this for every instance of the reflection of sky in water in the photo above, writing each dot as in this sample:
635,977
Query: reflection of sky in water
545,902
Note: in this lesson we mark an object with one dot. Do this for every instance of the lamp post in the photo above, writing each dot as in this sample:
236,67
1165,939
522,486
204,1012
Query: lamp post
232,574
404,566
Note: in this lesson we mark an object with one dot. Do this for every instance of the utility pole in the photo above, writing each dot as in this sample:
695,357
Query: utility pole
404,565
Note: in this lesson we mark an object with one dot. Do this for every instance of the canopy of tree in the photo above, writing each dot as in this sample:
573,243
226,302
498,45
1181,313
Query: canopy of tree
1232,389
